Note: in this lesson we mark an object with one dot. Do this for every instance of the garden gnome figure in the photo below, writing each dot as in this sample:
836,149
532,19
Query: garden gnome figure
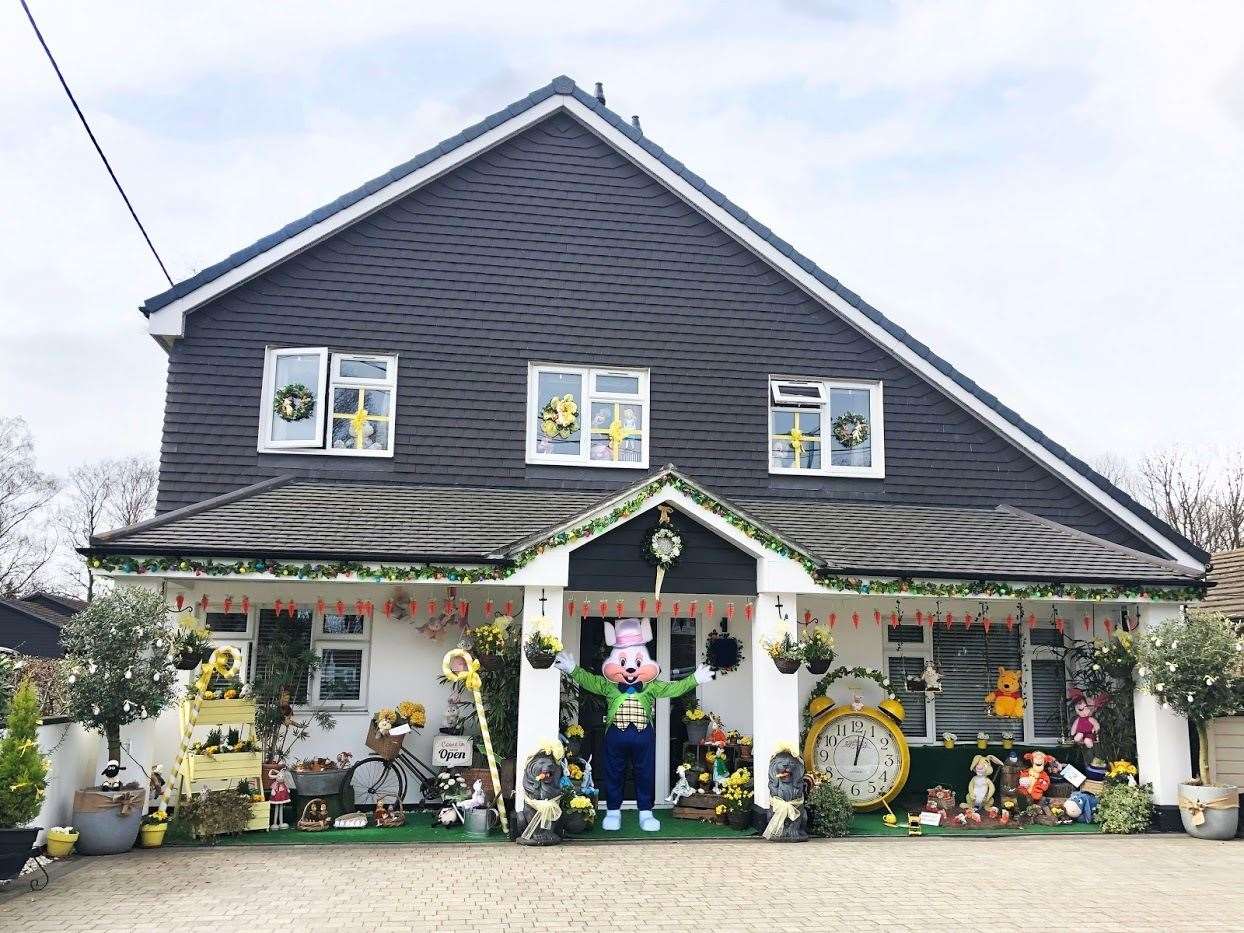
628,682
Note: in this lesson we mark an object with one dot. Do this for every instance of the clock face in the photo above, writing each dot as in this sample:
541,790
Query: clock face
863,755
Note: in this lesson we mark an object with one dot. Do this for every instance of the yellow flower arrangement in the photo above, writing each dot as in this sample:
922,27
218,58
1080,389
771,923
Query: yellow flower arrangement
745,740
575,772
387,715
720,809
560,417
158,818
542,642
574,731
694,715
566,408
490,637
1121,769
579,802
740,778
413,713
703,777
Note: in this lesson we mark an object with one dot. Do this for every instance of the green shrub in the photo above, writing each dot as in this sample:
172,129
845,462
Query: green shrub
215,813
23,769
829,809
1125,808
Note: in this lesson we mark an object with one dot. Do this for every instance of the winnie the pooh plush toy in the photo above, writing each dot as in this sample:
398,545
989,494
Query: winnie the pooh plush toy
1007,700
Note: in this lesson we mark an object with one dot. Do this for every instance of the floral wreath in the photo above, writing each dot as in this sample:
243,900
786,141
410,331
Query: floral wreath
721,646
662,546
850,429
559,419
294,402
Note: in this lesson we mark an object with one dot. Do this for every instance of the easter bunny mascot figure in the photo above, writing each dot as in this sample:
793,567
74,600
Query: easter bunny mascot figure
628,682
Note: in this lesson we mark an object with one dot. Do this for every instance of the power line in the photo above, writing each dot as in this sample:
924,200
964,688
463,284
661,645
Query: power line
85,125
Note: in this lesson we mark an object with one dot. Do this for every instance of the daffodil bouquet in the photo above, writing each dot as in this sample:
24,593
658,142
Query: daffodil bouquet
694,715
784,648
490,638
736,797
574,731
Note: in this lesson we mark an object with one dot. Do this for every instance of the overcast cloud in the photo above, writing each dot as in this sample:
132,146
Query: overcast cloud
1048,194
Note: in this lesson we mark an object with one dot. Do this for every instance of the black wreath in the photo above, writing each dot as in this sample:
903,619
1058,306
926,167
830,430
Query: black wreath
723,652
660,560
299,400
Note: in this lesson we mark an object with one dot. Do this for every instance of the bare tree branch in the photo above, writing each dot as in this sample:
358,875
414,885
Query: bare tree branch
25,548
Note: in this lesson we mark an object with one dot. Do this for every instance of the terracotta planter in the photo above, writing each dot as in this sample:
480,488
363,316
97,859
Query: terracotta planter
15,846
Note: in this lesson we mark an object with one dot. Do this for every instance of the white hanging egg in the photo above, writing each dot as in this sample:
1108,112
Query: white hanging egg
129,674
91,668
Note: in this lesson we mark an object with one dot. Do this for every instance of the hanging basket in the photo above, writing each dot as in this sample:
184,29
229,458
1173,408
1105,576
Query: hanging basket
787,665
819,667
490,662
540,660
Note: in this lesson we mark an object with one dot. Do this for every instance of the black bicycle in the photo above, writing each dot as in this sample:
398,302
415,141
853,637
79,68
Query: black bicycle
384,776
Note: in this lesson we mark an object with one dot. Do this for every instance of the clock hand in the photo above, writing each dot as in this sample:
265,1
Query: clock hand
859,744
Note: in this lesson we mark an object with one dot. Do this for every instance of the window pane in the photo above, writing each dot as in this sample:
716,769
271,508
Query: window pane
617,432
559,435
348,419
1049,690
296,369
226,621
376,401
847,406
280,641
971,672
796,391
900,669
341,674
353,368
617,385
343,625
1046,637
788,449
907,634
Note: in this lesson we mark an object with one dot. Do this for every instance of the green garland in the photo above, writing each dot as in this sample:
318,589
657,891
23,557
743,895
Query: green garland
293,402
349,570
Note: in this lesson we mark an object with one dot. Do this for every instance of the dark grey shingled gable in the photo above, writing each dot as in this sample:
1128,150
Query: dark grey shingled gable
553,246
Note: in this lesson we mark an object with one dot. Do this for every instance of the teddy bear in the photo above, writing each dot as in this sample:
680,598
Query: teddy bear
1007,700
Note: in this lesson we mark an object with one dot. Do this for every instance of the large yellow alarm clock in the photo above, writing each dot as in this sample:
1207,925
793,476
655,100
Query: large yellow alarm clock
861,747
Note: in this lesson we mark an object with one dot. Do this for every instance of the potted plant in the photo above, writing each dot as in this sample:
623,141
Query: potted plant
1123,805
118,654
1195,667
578,813
745,748
23,779
487,642
829,808
191,648
276,686
982,740
574,737
541,648
817,650
151,831
215,813
787,654
696,720
737,799
949,739
60,841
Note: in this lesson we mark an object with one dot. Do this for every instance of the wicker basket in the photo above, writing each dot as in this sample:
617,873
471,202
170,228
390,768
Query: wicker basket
310,824
787,665
388,814
385,745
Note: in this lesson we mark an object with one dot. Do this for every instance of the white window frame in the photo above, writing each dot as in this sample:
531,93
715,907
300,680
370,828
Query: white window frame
924,651
313,692
876,470
780,398
1030,653
588,375
327,380
242,641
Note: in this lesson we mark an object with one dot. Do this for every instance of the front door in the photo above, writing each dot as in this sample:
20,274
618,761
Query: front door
674,639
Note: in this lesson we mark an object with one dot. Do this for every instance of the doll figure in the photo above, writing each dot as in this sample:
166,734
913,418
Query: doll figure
682,789
1085,729
111,775
278,797
981,788
1035,781
628,682
586,787
721,771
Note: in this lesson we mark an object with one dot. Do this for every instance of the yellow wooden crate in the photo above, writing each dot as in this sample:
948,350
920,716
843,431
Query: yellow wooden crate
259,816
228,766
223,713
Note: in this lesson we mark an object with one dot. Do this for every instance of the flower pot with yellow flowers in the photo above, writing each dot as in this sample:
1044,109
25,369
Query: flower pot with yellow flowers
151,832
578,813
817,650
487,642
574,738
541,648
787,654
696,720
737,798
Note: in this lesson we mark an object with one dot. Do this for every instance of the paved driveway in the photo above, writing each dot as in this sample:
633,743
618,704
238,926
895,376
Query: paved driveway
1067,883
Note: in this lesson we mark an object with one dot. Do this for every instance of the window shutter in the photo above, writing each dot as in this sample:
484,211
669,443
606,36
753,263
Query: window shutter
900,668
1048,700
968,675
270,627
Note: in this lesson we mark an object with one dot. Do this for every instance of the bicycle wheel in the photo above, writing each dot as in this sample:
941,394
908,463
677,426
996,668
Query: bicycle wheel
369,779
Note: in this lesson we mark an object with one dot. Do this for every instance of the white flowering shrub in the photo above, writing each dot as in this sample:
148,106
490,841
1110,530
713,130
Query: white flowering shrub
1195,667
118,662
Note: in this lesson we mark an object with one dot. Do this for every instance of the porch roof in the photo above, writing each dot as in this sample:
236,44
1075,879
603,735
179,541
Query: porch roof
307,519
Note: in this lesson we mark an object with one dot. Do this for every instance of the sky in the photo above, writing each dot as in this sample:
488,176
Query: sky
1050,195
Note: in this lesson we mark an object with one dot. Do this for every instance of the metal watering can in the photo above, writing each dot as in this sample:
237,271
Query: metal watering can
480,821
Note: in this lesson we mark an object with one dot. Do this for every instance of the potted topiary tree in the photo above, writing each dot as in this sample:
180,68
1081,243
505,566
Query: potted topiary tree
23,779
1194,666
118,657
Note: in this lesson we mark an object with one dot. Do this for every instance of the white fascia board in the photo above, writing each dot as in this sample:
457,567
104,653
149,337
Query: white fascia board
859,320
170,321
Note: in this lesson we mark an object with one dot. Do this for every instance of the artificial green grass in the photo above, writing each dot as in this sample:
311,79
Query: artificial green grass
870,824
670,829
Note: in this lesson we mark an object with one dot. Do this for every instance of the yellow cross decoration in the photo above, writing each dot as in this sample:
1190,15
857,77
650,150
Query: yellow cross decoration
616,432
358,420
797,439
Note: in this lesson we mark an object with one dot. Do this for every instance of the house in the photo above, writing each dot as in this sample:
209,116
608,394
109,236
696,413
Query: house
362,440
1226,581
32,625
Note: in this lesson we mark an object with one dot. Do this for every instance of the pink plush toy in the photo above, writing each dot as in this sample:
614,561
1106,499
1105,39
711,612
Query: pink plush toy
1086,728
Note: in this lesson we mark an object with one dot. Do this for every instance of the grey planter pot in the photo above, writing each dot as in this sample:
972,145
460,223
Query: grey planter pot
697,731
319,783
1219,823
15,846
106,831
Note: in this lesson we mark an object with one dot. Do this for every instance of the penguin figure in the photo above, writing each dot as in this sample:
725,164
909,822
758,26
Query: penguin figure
111,770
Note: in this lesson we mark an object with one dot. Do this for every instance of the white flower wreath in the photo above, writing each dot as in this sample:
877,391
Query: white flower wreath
850,429
663,546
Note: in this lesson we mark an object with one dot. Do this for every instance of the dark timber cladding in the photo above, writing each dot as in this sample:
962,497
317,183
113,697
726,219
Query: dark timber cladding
615,561
553,247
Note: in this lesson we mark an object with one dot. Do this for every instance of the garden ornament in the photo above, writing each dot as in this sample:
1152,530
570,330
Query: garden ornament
1034,782
1006,701
278,797
683,788
541,798
586,787
788,822
1085,729
110,773
628,682
981,788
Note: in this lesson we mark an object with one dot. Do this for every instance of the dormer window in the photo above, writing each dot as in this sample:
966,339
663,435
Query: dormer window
826,428
587,416
317,401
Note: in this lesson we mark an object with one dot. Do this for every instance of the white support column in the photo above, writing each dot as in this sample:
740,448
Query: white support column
1162,748
775,696
539,692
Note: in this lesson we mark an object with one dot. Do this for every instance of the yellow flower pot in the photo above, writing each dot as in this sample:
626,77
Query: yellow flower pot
982,744
60,845
949,743
151,837
1008,742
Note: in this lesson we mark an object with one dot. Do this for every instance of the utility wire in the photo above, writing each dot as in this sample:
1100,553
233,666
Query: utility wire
85,125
